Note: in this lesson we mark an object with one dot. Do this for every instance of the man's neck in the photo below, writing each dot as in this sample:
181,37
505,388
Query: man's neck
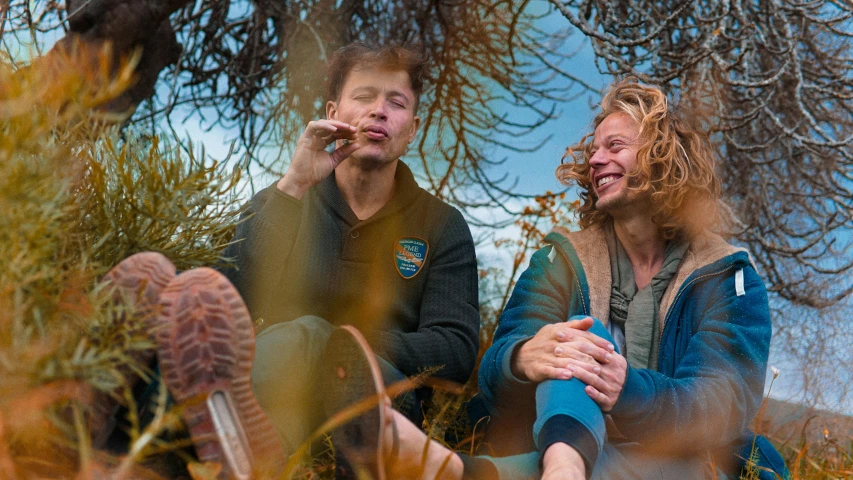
644,245
365,190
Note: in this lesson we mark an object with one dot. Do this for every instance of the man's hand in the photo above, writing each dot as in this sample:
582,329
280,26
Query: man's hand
311,163
606,386
556,347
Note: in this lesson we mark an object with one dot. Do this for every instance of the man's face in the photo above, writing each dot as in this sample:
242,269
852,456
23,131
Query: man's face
614,156
380,103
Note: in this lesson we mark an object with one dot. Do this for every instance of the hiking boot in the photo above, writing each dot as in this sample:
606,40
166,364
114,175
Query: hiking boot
139,279
205,347
350,377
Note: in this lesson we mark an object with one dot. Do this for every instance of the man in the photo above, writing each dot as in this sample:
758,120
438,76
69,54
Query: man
636,347
686,310
348,237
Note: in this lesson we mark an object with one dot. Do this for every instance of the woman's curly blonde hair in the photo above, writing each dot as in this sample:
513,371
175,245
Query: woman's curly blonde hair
675,162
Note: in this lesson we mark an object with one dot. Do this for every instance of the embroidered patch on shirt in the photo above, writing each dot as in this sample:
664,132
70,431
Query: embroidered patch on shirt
410,253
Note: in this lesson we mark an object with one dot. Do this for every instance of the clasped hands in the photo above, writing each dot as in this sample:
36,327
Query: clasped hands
568,350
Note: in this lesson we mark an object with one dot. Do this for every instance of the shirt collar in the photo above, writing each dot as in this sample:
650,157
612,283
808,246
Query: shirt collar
406,190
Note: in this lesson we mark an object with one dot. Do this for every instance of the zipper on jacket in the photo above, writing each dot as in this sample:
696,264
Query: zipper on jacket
681,291
586,310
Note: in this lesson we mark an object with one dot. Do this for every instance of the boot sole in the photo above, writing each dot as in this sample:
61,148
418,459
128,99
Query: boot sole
206,344
139,278
142,277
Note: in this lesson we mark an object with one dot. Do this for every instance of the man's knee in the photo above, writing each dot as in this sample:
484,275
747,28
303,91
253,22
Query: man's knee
293,346
301,331
597,328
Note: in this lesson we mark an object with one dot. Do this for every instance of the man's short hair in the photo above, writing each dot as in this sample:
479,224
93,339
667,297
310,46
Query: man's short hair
358,55
675,162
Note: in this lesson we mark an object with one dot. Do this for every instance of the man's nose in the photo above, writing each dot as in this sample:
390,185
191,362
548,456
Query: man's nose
598,158
379,110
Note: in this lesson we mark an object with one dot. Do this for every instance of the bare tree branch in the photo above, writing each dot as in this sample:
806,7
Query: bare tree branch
773,78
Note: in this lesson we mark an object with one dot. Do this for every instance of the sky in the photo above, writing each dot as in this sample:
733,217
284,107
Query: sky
535,170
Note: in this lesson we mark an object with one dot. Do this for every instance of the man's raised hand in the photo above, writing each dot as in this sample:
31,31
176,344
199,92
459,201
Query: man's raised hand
311,163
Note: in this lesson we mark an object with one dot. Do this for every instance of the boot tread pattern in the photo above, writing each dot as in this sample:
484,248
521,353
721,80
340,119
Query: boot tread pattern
206,345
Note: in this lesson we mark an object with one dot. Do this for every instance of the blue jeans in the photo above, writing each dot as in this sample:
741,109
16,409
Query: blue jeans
286,359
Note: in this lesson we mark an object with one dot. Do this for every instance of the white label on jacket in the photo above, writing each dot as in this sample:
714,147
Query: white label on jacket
739,283
552,254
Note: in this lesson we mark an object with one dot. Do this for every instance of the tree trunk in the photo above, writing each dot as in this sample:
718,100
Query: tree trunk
127,25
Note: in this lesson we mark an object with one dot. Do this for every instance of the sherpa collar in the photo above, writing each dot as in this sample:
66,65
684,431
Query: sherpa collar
590,246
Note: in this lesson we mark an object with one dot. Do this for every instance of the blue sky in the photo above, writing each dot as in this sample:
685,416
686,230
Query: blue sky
535,171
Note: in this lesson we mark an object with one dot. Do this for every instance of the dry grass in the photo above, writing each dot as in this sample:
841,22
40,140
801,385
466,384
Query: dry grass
75,199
